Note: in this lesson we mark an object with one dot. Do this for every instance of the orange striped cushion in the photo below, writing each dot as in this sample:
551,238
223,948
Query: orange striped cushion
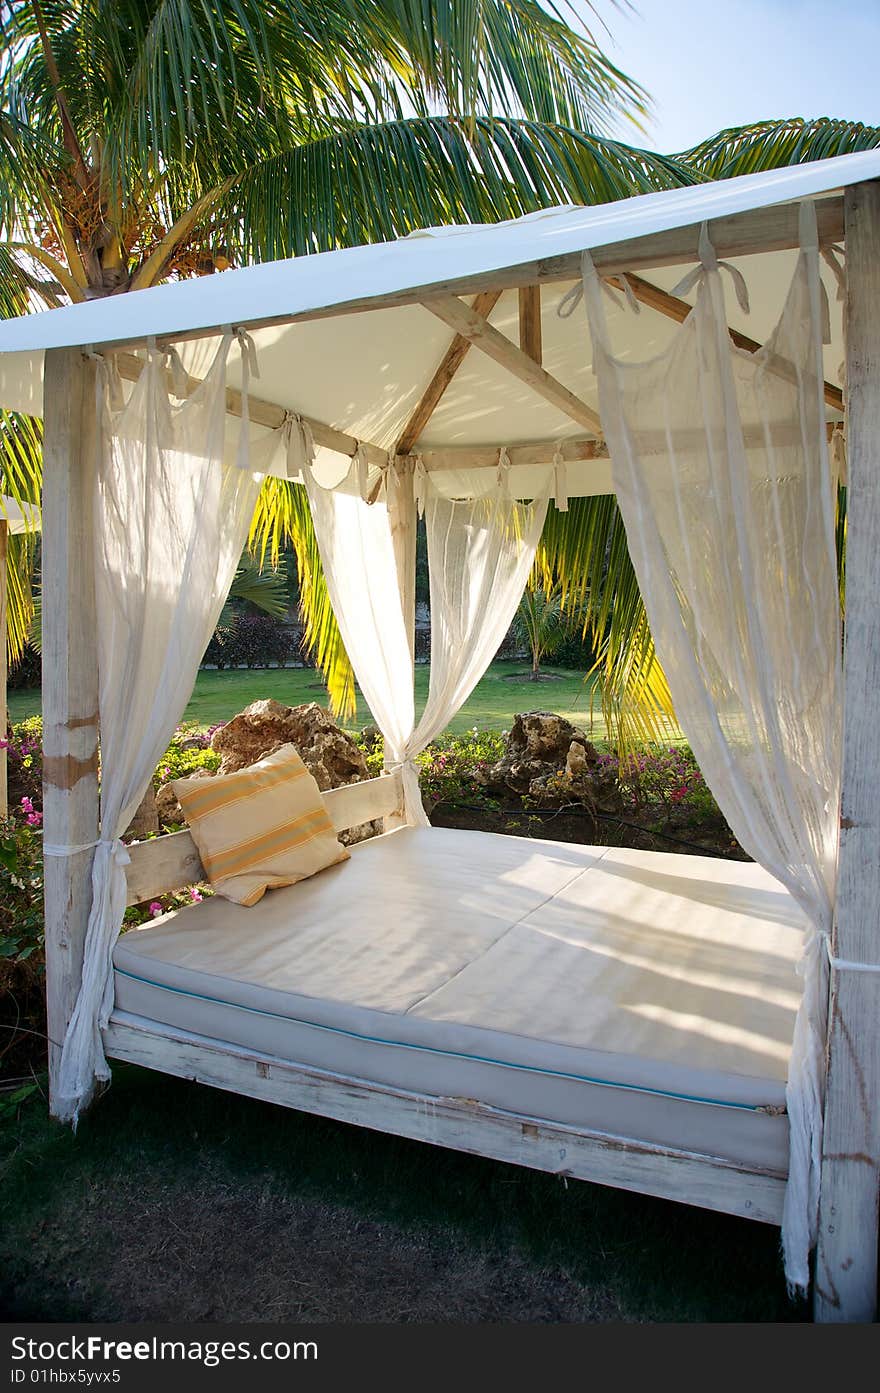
261,827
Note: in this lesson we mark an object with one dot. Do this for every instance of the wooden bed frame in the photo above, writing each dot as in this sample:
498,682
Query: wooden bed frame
711,1182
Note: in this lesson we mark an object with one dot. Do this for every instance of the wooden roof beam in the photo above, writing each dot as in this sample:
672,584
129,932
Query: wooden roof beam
452,360
454,457
500,349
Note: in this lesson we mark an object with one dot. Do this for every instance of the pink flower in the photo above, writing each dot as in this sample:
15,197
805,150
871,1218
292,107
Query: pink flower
195,895
156,909
4,744
26,805
165,772
34,819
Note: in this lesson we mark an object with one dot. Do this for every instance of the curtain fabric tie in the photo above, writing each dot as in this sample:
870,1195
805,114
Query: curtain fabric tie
502,477
360,466
299,444
845,964
118,849
560,481
420,485
570,301
413,807
709,262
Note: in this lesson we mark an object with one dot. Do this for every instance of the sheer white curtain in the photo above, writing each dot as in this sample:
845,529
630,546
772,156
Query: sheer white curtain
722,474
480,552
171,520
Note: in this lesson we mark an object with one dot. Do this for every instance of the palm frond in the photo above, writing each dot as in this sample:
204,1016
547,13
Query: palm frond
584,552
376,182
774,144
479,57
21,549
283,516
265,588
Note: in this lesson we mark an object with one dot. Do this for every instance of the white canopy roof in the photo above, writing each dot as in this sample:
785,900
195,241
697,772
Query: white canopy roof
325,352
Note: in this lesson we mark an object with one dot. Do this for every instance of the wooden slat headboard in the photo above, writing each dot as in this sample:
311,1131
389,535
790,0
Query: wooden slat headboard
171,862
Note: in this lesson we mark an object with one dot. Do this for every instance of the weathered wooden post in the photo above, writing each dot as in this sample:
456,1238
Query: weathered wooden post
70,679
846,1264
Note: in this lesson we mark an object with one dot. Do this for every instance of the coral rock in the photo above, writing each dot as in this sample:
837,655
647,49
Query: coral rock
327,752
551,761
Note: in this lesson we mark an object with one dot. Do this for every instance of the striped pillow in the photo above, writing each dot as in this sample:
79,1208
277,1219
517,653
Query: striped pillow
261,827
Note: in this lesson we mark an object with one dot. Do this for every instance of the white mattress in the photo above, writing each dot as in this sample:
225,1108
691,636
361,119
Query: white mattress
646,995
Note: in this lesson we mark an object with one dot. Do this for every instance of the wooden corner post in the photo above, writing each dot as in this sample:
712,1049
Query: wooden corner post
846,1262
70,679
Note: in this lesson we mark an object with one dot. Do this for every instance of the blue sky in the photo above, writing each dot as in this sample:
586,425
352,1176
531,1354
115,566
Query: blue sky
715,63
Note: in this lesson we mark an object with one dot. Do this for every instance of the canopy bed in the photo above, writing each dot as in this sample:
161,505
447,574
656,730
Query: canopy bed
701,1030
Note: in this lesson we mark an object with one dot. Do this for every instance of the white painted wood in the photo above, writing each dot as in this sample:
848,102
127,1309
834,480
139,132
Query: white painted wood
161,866
742,234
4,795
501,350
709,1182
70,678
172,862
846,1265
353,804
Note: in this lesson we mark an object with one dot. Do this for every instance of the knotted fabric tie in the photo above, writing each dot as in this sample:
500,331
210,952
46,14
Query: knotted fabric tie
360,467
560,481
118,849
570,301
107,380
502,477
709,262
249,368
420,485
299,444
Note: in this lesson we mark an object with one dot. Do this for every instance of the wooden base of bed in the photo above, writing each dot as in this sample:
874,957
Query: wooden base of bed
709,1182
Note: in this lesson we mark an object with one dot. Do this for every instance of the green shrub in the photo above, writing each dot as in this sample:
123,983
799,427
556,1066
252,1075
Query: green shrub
666,784
176,899
449,769
21,892
24,751
190,750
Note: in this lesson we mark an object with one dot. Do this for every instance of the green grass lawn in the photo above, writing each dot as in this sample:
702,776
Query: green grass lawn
220,695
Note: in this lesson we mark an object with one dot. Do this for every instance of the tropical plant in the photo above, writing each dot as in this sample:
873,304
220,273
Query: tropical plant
773,144
262,587
540,624
148,139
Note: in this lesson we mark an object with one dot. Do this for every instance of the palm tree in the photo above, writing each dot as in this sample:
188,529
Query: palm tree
147,139
541,625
